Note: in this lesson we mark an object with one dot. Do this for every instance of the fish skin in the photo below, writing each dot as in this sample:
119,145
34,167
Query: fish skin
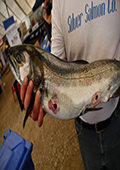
68,89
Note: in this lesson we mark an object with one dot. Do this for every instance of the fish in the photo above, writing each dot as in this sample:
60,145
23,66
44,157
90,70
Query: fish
68,89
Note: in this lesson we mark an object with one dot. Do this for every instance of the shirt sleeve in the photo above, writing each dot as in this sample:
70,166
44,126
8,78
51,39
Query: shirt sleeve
57,46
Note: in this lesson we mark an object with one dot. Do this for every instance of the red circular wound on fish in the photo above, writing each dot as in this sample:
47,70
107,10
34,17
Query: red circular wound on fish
95,98
53,105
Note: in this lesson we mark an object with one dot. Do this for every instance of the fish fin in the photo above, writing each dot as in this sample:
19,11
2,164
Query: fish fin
81,62
90,109
93,109
29,109
117,93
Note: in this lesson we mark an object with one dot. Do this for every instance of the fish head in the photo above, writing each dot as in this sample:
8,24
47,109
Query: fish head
24,61
19,62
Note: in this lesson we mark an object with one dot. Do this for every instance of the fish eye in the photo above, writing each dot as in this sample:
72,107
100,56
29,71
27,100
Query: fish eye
18,57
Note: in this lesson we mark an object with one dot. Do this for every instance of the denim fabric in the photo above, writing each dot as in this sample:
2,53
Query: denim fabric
100,151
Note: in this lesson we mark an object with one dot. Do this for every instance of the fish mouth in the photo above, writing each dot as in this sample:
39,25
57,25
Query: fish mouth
14,68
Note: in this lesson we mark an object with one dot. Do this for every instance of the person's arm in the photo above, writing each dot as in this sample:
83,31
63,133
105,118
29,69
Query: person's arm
57,46
46,17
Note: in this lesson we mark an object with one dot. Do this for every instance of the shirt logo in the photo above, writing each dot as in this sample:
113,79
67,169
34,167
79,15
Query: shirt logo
91,12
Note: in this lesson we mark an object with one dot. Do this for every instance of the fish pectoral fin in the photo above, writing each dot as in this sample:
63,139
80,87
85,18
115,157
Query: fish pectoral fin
93,109
29,109
90,110
117,93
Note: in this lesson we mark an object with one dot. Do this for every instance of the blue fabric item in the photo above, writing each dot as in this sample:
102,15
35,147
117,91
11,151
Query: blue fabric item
47,48
8,22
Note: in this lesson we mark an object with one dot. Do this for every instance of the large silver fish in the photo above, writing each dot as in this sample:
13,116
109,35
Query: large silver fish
68,89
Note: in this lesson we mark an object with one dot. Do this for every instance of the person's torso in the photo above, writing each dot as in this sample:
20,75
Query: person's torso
91,29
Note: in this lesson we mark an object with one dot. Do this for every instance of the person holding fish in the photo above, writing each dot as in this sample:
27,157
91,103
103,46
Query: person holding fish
87,30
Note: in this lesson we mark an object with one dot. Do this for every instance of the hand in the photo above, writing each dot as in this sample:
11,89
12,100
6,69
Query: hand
37,113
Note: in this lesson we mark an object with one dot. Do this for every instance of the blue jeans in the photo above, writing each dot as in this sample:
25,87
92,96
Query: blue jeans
100,151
